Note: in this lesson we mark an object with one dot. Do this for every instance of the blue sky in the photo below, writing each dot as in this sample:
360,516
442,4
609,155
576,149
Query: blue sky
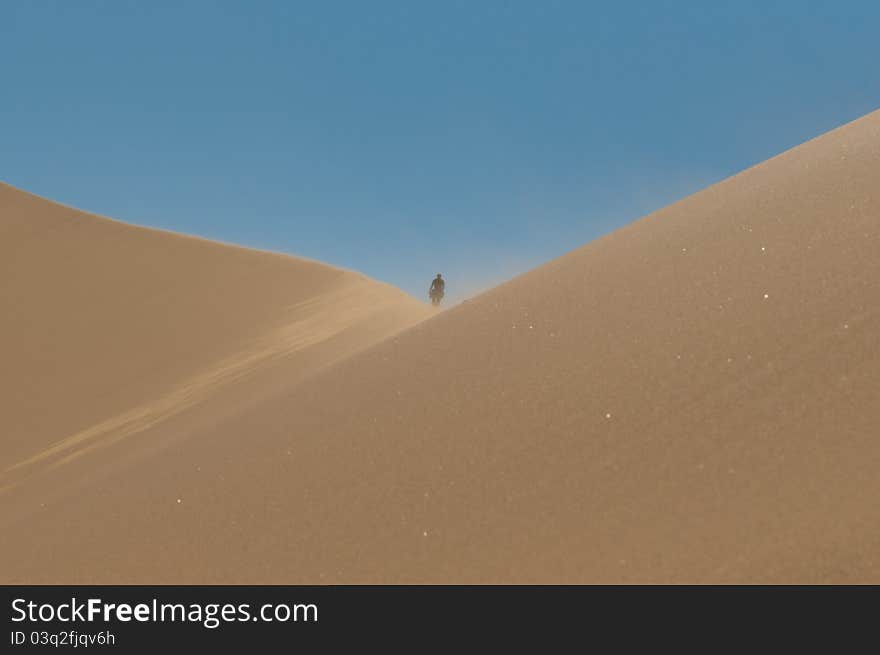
478,138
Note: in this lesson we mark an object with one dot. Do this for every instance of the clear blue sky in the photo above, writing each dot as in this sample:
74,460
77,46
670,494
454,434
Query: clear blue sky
478,138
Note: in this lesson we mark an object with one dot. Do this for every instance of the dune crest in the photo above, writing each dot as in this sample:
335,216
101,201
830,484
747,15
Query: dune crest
245,311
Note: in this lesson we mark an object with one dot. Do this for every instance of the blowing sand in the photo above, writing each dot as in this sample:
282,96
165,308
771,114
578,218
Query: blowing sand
110,329
693,398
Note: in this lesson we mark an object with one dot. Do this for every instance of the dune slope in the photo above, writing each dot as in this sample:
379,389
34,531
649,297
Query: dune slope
692,398
109,329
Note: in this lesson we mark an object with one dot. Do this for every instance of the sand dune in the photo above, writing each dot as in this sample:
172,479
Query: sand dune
110,329
692,398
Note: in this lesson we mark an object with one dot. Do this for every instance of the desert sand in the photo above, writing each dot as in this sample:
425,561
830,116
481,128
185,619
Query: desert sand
690,399
109,329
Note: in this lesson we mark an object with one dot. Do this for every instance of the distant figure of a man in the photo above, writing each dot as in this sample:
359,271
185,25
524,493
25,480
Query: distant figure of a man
438,287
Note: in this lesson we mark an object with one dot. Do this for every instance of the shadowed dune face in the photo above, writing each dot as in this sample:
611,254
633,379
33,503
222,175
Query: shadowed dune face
692,398
111,329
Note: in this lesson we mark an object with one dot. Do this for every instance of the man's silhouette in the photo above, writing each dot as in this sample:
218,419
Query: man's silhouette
438,287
